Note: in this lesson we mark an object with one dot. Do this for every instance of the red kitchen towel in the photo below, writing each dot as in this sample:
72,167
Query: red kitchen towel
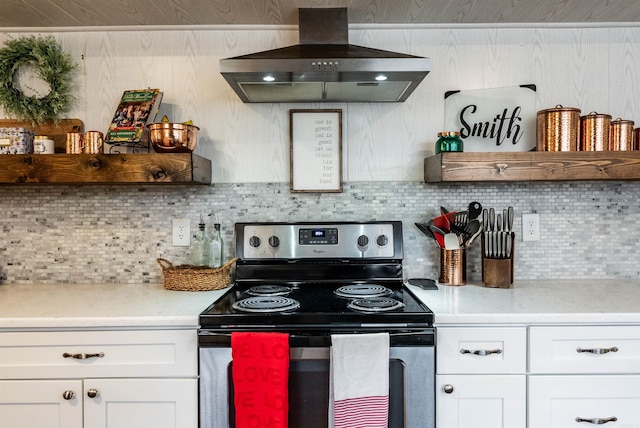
359,386
260,379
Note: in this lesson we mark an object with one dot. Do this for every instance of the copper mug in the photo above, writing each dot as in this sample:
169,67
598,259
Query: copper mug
93,143
74,142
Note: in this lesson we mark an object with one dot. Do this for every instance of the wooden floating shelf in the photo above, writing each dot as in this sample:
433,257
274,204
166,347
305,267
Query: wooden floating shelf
128,168
532,166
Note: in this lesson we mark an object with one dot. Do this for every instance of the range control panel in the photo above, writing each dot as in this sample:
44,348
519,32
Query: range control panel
319,240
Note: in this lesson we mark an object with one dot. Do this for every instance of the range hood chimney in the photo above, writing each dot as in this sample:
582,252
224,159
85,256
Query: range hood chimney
324,67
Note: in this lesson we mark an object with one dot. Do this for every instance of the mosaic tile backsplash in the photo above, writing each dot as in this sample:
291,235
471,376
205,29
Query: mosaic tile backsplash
114,234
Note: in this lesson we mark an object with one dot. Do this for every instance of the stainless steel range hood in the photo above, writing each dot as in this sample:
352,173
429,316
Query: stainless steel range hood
324,67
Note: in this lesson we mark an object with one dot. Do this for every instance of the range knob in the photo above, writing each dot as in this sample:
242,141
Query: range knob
382,241
254,241
363,241
274,241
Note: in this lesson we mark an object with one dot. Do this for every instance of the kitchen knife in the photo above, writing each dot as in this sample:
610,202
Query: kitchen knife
510,215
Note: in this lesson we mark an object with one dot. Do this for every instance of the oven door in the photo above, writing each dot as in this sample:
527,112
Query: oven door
411,380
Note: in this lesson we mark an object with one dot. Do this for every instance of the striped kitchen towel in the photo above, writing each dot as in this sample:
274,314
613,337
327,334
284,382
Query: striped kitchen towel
359,381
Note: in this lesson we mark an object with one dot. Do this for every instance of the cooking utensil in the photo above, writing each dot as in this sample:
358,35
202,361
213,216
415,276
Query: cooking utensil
471,229
438,234
492,219
424,228
442,222
474,209
485,220
169,137
510,215
451,241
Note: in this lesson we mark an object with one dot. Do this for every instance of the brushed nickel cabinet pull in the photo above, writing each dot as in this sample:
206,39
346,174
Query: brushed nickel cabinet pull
481,352
83,356
597,421
68,395
92,393
598,351
448,389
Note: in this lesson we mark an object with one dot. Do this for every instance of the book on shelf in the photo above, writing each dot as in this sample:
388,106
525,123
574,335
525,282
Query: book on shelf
137,109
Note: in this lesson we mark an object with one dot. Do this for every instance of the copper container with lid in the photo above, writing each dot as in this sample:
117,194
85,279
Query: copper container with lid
558,129
621,135
594,132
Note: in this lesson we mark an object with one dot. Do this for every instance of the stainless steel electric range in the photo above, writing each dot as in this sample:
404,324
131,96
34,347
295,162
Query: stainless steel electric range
312,280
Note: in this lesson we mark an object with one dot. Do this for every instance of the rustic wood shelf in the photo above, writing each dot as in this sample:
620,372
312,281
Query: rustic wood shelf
532,166
128,168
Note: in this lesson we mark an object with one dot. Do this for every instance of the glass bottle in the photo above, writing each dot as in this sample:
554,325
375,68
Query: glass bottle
201,246
216,247
449,141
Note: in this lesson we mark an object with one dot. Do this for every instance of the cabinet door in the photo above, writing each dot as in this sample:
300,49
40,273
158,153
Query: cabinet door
575,401
141,403
41,403
481,401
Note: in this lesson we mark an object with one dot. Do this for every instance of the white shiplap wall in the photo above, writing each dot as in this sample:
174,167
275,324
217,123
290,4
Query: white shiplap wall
592,68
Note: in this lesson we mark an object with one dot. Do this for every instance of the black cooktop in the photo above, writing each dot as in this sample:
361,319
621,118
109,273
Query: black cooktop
319,307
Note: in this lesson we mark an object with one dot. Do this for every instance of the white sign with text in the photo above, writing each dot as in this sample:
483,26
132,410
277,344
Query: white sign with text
493,120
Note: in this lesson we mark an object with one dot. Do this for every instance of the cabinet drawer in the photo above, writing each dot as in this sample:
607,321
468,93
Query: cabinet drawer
574,401
481,350
131,353
610,349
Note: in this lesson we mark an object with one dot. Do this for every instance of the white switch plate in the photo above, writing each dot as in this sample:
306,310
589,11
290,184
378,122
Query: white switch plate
530,227
181,232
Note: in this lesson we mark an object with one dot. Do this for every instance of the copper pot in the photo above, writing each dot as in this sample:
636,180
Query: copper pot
168,137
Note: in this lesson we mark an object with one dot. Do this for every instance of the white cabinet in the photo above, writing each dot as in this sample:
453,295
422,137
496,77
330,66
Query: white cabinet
99,379
481,377
588,375
576,400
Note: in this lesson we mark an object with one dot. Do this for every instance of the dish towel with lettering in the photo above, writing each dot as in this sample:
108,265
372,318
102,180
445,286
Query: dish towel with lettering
260,379
359,381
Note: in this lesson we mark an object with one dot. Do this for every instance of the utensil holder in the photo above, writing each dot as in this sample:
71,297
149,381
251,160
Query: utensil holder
498,273
453,267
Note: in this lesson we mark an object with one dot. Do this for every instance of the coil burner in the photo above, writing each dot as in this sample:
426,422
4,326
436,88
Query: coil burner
362,291
266,304
269,290
375,304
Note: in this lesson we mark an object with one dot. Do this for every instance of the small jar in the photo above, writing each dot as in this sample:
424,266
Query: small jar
449,141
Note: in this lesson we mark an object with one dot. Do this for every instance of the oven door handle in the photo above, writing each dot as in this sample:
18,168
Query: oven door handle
423,337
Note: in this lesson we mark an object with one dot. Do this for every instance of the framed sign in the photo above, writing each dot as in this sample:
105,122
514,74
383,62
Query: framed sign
316,150
493,120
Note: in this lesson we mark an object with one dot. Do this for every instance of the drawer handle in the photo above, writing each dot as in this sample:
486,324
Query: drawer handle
598,351
481,352
597,421
68,395
93,393
83,356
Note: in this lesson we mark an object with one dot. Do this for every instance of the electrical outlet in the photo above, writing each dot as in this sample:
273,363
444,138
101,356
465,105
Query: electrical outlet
181,232
530,227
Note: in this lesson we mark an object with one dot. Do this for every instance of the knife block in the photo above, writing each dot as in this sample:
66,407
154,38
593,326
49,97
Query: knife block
498,273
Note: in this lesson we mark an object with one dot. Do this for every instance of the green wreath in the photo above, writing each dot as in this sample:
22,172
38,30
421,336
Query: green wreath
51,64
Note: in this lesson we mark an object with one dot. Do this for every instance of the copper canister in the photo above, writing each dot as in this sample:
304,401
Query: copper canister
453,267
93,142
594,132
558,129
74,142
621,135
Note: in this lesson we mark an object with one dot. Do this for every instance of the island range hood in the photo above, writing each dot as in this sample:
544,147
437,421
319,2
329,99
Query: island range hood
324,67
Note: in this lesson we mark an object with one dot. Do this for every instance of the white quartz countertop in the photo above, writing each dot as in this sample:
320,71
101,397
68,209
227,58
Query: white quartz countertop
536,302
100,306
77,306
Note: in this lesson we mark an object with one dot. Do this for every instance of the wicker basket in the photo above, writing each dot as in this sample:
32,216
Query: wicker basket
195,278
